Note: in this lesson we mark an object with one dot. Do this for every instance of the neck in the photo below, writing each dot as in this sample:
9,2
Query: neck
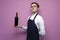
34,13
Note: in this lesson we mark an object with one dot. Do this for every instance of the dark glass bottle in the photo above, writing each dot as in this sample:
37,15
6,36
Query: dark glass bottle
16,19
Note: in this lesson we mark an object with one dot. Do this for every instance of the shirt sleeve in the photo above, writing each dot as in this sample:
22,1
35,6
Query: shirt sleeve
41,26
25,27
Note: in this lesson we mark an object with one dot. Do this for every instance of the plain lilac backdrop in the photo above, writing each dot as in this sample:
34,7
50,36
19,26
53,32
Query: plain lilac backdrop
49,10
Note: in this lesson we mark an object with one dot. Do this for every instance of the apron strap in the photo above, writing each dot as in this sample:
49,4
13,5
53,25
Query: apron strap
35,16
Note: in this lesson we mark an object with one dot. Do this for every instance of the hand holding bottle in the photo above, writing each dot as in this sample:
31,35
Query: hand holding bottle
18,26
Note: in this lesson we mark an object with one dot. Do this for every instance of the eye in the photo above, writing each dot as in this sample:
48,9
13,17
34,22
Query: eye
33,6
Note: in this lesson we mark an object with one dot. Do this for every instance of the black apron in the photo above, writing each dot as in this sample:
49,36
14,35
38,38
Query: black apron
32,31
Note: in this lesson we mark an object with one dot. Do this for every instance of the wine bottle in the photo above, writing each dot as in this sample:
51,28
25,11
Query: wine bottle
16,19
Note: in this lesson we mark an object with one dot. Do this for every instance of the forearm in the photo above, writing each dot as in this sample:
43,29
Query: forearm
23,27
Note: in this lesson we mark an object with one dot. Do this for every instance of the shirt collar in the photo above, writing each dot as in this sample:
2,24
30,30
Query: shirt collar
34,14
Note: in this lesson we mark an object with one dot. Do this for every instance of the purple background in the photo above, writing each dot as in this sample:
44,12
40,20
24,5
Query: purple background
49,10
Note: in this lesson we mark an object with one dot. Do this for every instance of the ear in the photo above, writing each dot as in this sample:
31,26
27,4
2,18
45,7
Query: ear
38,9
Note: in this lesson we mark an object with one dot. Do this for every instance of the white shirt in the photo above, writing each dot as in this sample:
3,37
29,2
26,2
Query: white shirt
39,23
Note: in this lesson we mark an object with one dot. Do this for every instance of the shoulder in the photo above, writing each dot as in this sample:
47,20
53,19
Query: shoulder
39,17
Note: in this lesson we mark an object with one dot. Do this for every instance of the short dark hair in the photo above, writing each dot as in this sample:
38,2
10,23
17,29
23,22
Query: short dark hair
35,3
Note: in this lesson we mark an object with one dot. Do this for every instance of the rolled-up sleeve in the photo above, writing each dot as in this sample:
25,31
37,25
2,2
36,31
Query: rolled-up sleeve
25,27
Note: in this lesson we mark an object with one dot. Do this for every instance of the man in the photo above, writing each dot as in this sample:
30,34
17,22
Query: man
35,24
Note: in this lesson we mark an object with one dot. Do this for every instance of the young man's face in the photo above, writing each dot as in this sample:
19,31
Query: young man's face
34,8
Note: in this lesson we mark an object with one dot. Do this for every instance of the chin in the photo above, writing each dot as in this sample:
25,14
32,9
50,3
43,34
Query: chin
33,11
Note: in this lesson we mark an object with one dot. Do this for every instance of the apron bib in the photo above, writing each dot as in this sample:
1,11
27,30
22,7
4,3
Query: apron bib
32,31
